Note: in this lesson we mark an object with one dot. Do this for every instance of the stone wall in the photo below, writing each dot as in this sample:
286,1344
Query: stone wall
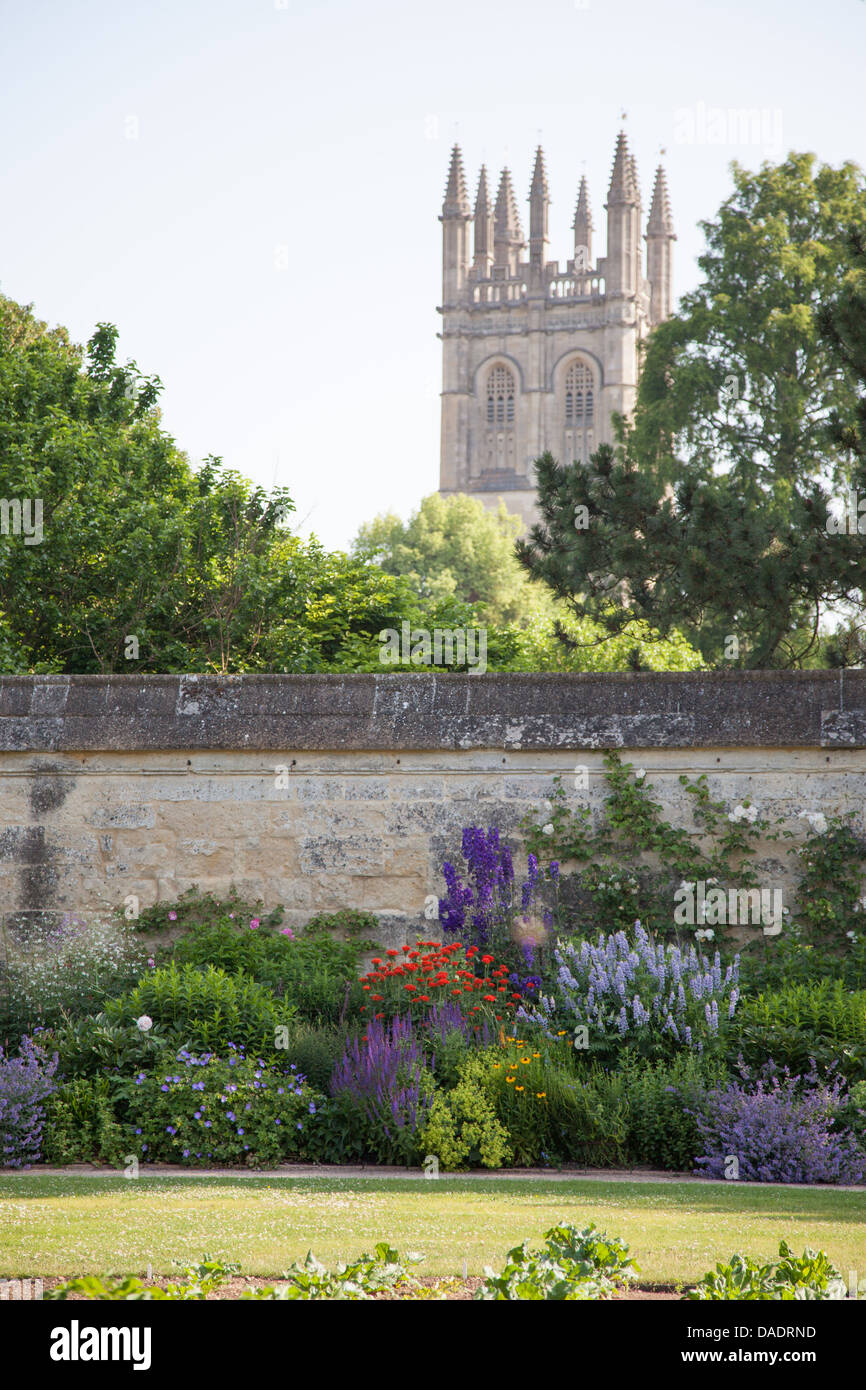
117,786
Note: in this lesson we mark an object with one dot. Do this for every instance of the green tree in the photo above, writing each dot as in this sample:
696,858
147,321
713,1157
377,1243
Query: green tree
454,548
711,515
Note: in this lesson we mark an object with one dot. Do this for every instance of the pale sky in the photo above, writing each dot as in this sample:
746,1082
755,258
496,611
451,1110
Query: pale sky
163,160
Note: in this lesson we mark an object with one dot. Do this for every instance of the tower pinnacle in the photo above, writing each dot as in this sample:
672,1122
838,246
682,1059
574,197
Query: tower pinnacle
456,202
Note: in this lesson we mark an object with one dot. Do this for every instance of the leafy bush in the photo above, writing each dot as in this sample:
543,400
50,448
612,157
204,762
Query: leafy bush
643,996
195,909
660,1100
794,1278
780,1129
461,1127
207,1109
347,922
315,1052
820,1020
100,1046
80,1124
69,967
382,1087
26,1082
317,976
550,1112
204,1009
571,1266
775,962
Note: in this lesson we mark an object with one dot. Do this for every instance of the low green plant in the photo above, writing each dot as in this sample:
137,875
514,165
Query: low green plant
208,1110
461,1129
809,1276
368,1275
197,1282
347,922
572,1266
196,909
80,1124
318,976
204,1009
820,1020
658,1098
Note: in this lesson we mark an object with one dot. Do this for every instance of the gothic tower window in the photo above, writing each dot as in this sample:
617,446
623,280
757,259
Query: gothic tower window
499,418
500,397
579,412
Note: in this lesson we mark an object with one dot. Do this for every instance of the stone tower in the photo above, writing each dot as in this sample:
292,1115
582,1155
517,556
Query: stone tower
534,357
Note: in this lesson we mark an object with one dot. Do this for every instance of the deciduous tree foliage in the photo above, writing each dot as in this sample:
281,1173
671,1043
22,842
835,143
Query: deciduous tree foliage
198,566
710,515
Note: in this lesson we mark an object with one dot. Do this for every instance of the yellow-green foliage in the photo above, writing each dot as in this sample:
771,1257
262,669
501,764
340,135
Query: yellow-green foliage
462,1123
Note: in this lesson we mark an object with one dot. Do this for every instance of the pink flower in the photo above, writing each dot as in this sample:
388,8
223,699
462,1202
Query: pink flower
254,923
151,962
287,931
172,916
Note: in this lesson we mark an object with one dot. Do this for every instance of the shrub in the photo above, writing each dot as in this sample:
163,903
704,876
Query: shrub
67,968
231,1109
660,1101
461,1128
205,1009
347,922
317,976
101,1046
26,1082
647,997
382,1087
80,1124
808,1276
195,909
550,1112
780,1129
315,1052
819,1020
571,1266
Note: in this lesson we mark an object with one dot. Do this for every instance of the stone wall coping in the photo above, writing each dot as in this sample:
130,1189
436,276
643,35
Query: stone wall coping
129,713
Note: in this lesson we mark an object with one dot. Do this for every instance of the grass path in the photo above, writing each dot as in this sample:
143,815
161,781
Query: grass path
65,1225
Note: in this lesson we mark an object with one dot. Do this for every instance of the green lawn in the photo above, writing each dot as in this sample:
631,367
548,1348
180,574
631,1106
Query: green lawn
77,1225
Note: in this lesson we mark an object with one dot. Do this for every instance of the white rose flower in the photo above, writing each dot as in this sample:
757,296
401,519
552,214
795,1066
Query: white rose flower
547,829
640,774
144,1024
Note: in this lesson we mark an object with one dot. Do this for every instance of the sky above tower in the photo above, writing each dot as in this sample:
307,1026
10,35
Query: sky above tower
249,189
